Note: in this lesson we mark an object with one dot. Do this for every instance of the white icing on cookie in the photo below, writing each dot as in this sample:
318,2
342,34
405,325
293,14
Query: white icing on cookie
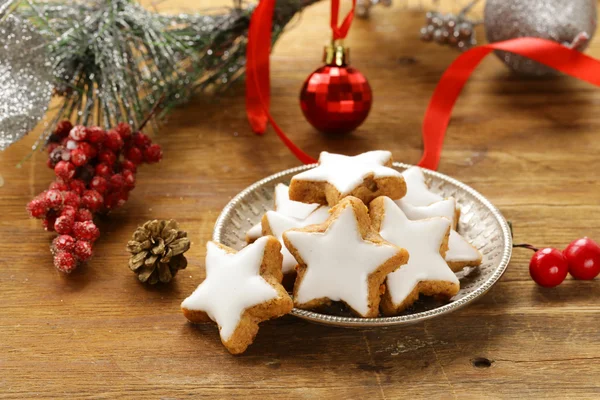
347,173
232,285
291,208
339,262
460,250
417,191
445,208
285,206
422,239
280,223
254,233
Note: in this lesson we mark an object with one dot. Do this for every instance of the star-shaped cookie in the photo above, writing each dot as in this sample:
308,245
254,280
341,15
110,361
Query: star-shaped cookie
420,203
241,289
275,223
285,206
365,176
426,242
343,259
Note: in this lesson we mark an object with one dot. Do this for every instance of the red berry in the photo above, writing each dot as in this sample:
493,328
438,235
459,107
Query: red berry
89,150
83,250
124,130
58,185
116,182
71,199
65,262
111,200
68,211
37,208
129,179
83,214
548,267
140,140
153,154
134,155
86,230
123,197
128,165
92,200
583,256
64,224
107,157
63,243
95,134
78,133
63,128
78,157
99,184
54,198
65,170
78,186
113,140
103,170
71,144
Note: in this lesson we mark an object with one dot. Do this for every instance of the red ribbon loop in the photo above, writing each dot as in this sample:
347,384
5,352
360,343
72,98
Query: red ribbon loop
340,32
439,110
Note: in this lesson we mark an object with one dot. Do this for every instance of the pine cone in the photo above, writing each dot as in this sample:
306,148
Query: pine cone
157,251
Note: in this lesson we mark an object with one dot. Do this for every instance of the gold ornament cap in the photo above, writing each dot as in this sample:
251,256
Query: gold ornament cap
336,54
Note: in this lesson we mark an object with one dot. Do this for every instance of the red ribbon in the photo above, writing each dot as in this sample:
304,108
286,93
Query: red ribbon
258,86
258,96
439,110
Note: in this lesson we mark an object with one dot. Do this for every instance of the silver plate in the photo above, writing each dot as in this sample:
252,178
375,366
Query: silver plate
480,222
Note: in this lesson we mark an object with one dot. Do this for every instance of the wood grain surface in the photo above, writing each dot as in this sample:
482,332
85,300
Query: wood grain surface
530,146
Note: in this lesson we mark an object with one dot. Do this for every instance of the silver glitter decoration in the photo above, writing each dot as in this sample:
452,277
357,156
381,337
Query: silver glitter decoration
570,22
25,87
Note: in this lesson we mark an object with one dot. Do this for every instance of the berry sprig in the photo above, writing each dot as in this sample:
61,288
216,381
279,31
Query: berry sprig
95,171
549,266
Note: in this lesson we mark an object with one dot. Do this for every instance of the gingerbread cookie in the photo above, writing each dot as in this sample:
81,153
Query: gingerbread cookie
461,253
241,289
275,223
420,203
426,242
343,259
285,206
365,176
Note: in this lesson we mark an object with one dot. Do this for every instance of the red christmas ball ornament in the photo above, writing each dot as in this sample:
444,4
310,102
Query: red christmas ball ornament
336,98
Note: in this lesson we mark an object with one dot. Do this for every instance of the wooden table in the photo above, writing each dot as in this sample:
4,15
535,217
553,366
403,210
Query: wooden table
530,146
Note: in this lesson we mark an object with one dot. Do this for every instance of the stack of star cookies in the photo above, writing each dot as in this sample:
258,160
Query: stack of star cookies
351,230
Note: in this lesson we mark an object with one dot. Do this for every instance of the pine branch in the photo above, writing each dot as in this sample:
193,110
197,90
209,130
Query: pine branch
113,60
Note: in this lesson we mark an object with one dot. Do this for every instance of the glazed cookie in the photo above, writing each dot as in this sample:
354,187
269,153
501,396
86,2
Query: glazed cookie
241,289
419,195
426,241
275,223
343,259
421,203
461,253
365,176
285,206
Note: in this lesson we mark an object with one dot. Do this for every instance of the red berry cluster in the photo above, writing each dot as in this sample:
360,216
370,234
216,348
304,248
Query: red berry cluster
549,266
95,171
